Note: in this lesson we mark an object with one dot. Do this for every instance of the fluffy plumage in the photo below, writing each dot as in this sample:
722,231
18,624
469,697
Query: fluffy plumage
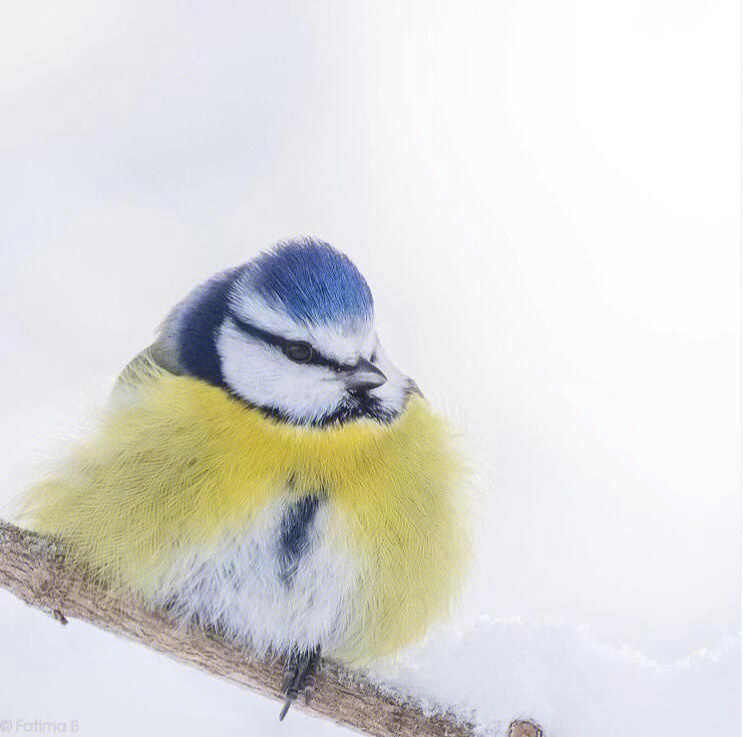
183,493
266,470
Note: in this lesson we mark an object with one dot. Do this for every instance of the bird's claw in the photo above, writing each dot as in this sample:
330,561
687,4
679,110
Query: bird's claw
300,674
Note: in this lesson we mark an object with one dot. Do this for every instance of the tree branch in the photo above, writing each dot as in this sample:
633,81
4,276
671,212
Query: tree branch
33,567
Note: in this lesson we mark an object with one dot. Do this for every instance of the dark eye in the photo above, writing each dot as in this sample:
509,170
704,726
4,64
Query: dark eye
298,351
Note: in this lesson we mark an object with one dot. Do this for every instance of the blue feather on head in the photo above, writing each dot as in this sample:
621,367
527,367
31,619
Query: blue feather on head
306,278
312,282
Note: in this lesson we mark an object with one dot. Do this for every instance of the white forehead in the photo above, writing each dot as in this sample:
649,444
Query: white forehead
343,342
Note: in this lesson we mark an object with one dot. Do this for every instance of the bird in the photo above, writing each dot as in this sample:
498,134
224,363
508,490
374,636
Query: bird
265,472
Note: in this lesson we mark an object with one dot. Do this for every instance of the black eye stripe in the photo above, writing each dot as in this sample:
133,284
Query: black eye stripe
317,359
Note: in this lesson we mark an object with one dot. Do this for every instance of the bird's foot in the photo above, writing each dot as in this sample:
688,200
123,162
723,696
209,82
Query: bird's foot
300,673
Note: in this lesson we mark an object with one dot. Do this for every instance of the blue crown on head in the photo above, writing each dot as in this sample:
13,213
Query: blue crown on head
312,282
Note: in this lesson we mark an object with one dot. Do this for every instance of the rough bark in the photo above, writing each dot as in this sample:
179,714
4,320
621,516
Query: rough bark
33,567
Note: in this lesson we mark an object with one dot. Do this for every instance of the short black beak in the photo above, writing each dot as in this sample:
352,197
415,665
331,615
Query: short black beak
364,375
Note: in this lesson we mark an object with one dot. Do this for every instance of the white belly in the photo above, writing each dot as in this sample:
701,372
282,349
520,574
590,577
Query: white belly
251,588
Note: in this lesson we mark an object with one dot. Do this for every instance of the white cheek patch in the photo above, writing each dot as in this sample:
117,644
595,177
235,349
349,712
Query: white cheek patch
264,376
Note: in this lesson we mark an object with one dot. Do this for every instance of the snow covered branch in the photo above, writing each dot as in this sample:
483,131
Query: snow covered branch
33,567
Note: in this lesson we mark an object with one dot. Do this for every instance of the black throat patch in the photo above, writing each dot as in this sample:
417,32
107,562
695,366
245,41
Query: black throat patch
355,406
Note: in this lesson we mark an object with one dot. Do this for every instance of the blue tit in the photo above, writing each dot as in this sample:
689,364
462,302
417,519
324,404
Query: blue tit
265,470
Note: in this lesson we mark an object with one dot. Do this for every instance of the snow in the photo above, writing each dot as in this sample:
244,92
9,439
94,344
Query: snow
545,200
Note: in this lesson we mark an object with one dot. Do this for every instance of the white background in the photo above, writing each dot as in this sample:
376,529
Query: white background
545,199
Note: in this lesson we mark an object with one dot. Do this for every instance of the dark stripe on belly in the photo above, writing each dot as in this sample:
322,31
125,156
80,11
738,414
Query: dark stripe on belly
294,535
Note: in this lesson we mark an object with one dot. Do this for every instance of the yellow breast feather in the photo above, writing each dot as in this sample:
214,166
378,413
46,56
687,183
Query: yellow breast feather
186,463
